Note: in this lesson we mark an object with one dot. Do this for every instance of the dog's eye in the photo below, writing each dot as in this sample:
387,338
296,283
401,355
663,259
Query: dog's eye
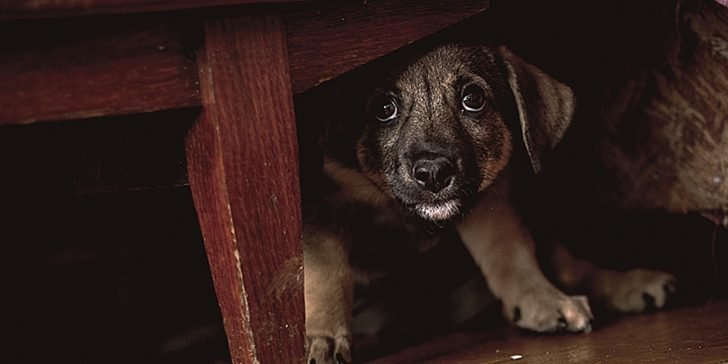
384,108
473,98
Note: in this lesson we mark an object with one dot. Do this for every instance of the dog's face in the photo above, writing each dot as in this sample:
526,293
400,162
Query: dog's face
435,134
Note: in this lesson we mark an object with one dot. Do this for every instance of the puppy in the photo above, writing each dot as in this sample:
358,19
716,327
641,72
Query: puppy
443,142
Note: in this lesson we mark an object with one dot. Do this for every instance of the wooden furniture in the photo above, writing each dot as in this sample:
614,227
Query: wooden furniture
240,64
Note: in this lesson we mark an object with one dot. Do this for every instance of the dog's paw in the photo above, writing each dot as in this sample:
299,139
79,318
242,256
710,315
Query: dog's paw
328,350
634,291
549,310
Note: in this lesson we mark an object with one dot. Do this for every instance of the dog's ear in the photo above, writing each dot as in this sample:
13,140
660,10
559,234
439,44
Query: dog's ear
545,106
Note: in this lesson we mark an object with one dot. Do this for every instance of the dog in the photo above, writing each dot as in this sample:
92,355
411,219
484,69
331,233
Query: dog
440,145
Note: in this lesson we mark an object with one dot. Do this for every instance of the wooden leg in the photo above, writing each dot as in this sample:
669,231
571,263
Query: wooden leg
243,171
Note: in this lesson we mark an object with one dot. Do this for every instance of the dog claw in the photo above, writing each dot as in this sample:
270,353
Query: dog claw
562,325
549,310
328,350
636,291
516,314
341,360
649,302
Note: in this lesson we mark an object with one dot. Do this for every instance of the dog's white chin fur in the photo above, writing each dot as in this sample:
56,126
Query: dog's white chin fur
438,211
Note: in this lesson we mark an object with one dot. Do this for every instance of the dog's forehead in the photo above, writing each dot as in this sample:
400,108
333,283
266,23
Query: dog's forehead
443,66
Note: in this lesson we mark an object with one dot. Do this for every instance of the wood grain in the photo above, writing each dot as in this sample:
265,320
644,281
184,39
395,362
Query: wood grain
243,171
60,70
328,39
690,335
22,9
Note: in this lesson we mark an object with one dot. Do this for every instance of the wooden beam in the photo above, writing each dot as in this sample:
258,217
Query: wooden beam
60,70
243,172
63,69
328,39
24,9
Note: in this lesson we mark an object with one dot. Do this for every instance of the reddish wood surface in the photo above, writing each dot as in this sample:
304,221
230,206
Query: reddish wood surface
13,9
329,39
243,171
691,335
61,70
80,68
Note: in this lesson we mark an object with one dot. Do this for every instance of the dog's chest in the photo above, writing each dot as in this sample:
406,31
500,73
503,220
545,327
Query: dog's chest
385,240
380,239
380,236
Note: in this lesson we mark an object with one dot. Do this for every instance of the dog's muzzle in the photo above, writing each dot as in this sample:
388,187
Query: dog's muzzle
433,177
433,174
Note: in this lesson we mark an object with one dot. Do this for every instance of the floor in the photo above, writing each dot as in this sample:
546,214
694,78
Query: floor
697,334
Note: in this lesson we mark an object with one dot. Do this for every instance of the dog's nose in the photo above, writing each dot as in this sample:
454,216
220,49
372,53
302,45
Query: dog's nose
434,174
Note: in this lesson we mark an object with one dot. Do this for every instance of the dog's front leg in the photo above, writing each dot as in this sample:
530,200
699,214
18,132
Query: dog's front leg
328,294
502,247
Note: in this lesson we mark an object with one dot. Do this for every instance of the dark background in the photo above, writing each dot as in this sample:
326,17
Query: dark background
102,255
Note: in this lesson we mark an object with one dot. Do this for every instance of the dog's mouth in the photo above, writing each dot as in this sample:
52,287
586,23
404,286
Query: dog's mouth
437,211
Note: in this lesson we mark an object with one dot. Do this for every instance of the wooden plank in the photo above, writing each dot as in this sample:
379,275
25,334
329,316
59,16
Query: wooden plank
110,65
689,335
243,171
329,39
61,70
23,9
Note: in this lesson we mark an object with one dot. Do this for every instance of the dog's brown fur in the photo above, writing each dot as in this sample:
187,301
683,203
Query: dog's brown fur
375,214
